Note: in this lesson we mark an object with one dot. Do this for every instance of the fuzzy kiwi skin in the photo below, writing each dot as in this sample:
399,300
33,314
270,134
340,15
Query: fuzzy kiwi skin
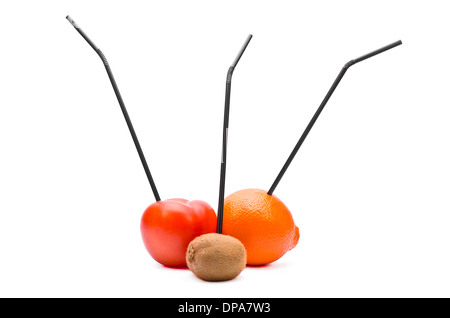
216,257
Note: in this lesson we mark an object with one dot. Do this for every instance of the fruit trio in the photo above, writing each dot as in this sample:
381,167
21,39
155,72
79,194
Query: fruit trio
262,223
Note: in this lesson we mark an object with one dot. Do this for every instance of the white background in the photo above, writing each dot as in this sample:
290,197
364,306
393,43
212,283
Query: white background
369,189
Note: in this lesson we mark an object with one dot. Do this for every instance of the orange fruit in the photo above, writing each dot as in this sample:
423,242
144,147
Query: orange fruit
262,223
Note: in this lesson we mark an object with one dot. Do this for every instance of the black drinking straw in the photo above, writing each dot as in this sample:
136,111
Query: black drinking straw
322,105
122,106
225,135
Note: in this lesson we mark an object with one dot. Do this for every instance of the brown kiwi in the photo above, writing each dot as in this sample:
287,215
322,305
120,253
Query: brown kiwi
216,257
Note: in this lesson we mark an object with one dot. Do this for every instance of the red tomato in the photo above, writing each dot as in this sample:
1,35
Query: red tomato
168,226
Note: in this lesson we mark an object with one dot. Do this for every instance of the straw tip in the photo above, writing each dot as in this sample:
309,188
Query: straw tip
397,43
71,21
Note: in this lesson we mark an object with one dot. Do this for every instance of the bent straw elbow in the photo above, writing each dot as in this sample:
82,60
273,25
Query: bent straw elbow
102,57
348,64
230,74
